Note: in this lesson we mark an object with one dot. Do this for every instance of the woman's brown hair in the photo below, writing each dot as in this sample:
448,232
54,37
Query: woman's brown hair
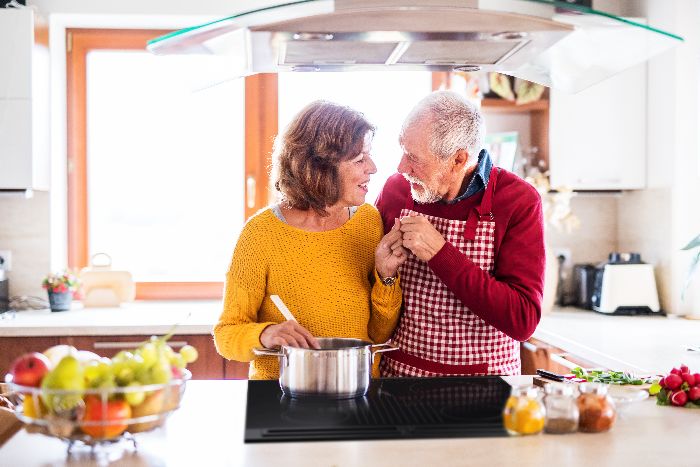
307,154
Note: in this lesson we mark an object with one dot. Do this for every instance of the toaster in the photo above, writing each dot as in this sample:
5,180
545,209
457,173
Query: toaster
625,285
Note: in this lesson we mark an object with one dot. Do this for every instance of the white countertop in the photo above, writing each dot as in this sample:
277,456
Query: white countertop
137,318
641,344
208,430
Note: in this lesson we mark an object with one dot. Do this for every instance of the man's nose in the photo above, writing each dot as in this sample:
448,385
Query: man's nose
403,165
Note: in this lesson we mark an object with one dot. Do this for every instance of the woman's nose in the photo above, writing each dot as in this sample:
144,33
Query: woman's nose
372,167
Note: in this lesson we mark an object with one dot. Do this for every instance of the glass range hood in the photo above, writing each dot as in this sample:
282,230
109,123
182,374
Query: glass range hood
557,44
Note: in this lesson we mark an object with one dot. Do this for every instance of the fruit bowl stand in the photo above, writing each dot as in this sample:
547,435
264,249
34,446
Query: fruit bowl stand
88,417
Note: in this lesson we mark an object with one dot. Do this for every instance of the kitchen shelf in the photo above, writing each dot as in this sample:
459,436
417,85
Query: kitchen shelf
504,106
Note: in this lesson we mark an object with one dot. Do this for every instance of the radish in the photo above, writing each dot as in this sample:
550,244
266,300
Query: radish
673,381
684,369
679,398
694,393
688,378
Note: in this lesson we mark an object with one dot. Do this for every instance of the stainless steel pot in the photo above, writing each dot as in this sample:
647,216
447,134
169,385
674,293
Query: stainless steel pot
340,369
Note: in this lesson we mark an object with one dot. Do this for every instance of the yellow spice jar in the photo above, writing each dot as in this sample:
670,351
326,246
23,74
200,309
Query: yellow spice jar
524,412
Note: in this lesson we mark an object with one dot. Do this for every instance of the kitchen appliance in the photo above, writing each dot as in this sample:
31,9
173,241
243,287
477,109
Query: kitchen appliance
104,287
625,286
560,45
584,280
340,369
4,292
4,287
393,408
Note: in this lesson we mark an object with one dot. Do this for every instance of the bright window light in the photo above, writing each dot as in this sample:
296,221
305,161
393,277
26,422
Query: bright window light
165,165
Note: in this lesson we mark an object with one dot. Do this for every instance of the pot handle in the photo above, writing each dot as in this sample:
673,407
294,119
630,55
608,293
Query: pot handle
267,352
391,348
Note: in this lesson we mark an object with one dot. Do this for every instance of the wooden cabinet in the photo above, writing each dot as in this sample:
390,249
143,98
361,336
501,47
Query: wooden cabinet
535,354
24,101
13,347
209,365
598,136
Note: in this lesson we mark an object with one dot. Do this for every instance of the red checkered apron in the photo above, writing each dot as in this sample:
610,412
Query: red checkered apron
437,334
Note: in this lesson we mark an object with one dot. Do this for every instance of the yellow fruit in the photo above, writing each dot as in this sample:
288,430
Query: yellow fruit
33,407
153,404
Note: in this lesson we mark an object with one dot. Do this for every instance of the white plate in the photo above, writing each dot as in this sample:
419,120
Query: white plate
627,394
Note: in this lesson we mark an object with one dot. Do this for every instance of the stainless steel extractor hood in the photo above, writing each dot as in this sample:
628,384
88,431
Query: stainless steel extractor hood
552,43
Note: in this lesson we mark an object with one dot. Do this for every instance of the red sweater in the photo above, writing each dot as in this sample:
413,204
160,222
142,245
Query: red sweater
510,299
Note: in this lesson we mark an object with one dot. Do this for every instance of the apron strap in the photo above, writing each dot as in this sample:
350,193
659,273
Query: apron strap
484,208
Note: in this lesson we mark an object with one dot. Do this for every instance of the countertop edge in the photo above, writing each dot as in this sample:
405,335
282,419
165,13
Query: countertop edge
585,352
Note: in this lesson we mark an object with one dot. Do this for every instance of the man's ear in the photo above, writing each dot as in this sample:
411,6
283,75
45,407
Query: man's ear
460,160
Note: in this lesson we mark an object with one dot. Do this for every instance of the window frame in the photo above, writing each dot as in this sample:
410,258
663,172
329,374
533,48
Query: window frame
260,130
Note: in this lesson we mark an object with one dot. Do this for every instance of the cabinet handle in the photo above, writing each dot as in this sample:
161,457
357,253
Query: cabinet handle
131,344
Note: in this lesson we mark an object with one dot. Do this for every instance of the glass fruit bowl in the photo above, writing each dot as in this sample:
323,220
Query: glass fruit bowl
96,416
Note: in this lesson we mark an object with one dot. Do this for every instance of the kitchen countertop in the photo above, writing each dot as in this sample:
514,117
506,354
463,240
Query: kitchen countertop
136,318
208,430
642,344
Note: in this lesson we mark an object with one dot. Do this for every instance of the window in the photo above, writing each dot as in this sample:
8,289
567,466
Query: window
156,163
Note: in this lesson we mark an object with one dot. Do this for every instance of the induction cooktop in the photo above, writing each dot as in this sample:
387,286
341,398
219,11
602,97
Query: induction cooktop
393,408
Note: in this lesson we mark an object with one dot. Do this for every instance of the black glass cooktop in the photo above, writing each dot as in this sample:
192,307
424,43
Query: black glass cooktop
393,408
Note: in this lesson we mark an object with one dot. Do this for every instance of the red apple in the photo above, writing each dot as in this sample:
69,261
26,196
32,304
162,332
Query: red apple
29,369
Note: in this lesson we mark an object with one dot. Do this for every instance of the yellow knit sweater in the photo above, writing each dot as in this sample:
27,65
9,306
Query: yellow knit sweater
325,278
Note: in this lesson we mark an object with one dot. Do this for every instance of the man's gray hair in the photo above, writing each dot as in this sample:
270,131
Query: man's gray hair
454,124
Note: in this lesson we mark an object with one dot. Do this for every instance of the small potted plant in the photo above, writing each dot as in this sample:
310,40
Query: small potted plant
60,288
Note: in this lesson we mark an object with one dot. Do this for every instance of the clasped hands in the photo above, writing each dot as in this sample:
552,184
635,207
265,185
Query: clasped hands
412,233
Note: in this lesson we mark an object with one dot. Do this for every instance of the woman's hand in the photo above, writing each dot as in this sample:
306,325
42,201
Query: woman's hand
289,333
390,253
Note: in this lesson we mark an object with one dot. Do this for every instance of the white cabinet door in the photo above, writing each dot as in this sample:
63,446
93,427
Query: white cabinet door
15,144
24,104
598,136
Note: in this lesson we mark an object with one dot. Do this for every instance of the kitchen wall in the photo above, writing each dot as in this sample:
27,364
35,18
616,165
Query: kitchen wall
24,230
660,220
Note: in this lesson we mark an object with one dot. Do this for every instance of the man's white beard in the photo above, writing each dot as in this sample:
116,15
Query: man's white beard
426,195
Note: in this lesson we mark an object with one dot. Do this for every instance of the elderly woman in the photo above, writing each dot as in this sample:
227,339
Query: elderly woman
320,249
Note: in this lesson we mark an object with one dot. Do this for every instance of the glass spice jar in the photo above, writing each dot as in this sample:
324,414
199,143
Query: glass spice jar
596,408
524,411
561,409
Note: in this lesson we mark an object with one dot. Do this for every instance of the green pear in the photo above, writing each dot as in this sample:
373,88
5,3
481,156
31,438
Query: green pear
68,375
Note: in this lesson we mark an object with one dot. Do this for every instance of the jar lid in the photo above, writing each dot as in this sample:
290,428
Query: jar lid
526,391
593,388
559,389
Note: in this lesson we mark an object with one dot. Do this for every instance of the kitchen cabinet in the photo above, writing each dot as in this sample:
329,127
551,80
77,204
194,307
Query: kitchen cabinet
209,365
13,347
24,101
536,354
598,136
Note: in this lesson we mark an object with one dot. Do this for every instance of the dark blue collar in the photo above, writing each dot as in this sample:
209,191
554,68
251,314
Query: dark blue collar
480,178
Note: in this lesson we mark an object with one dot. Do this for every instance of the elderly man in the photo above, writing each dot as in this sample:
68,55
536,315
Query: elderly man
472,284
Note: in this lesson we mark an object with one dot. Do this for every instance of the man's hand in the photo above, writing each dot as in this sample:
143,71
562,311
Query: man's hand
390,253
421,237
289,333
